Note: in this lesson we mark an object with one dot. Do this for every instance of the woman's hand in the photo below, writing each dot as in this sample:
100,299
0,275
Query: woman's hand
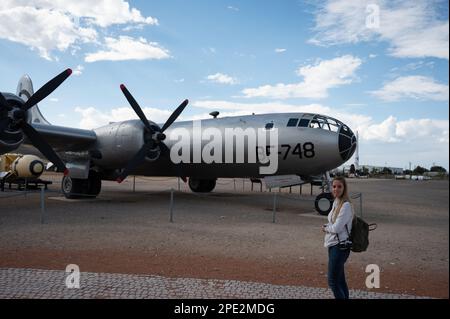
324,228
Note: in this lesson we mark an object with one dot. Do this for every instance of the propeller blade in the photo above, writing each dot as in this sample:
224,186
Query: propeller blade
174,115
136,108
38,142
47,89
138,159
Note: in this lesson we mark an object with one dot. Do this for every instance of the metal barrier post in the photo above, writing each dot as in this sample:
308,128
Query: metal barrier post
171,205
178,183
42,205
234,180
274,207
360,205
25,187
134,184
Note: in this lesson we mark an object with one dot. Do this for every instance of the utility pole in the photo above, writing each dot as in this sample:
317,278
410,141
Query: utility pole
357,152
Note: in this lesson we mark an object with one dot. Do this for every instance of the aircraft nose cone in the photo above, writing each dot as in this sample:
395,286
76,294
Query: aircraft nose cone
347,142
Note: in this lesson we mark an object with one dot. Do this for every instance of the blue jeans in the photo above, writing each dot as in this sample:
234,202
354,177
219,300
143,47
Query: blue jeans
336,274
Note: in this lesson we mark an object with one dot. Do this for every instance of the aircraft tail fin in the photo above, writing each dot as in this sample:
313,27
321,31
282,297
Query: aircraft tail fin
25,91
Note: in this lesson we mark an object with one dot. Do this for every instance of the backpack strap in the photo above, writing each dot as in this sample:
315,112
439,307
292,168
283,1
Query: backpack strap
346,228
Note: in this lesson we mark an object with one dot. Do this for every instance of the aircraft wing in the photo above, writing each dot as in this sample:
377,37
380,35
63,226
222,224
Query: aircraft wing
64,139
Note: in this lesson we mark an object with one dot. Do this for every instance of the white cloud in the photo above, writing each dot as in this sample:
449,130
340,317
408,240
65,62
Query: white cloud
384,131
317,80
50,25
128,48
43,30
93,118
279,50
53,99
232,108
78,70
413,87
103,13
233,8
411,27
222,79
423,128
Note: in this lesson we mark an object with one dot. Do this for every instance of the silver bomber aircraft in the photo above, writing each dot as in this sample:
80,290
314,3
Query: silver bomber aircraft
308,144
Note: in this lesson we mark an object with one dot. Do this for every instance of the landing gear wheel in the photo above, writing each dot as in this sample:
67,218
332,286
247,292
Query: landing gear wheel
324,203
72,188
209,185
94,184
202,185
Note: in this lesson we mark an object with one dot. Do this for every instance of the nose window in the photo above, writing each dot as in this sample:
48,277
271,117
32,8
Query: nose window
320,122
347,143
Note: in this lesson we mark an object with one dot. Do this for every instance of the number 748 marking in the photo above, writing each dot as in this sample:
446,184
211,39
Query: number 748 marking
302,151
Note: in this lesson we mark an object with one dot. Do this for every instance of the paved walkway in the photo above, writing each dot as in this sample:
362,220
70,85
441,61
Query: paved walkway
34,283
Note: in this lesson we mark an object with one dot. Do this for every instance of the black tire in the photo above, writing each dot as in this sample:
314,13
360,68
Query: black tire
195,185
94,184
72,188
202,185
209,185
324,203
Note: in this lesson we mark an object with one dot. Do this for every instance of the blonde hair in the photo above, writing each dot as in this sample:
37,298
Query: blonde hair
344,198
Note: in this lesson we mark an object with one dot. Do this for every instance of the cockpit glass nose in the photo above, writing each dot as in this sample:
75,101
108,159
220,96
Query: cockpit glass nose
347,142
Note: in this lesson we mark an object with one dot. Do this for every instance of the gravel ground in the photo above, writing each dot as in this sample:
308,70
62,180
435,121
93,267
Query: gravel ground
229,234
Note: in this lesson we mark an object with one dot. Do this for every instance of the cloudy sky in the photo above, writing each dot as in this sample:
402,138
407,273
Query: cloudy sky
379,66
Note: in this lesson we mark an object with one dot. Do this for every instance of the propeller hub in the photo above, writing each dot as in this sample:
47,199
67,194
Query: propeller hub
18,114
160,136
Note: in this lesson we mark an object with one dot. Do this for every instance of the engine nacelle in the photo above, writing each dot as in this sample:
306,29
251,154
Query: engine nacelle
27,166
10,138
9,145
117,143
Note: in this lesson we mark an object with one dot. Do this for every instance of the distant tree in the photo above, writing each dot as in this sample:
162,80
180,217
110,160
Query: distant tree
438,169
419,170
352,169
386,171
407,172
374,171
365,171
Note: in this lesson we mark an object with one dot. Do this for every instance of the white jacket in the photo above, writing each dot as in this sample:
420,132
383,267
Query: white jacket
345,217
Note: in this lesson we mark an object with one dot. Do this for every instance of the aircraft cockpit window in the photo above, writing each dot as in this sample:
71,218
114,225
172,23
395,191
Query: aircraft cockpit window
269,126
292,122
325,123
303,123
333,125
346,131
314,124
